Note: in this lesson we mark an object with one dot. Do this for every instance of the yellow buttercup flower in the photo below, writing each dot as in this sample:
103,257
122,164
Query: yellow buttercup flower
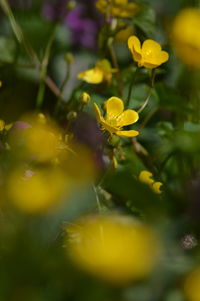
149,54
116,117
118,8
192,284
113,247
146,177
185,36
101,72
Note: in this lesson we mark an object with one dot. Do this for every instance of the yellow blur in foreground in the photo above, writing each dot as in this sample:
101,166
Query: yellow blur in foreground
118,8
36,191
149,54
40,141
113,247
185,36
191,285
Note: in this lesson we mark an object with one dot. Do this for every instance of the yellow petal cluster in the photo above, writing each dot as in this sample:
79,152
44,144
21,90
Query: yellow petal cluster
192,284
113,247
149,54
102,71
118,8
116,118
146,177
185,36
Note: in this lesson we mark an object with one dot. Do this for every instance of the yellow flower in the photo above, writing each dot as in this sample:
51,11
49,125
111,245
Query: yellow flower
101,72
116,117
185,36
146,177
192,284
117,8
149,54
4,126
123,35
36,191
113,247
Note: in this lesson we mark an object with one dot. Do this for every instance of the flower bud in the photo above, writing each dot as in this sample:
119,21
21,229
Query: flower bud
71,116
84,98
71,5
69,58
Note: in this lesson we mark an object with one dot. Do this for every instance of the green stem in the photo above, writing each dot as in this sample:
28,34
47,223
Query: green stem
44,65
131,87
152,80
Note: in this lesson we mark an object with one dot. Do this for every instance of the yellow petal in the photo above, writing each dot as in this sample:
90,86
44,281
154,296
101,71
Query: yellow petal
130,133
135,47
98,113
156,187
127,117
91,76
2,125
152,54
145,176
114,107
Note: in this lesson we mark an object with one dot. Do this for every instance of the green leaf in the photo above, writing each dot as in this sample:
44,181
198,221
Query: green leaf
7,50
145,20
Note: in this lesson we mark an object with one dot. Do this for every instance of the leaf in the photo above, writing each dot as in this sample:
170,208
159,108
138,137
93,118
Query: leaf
7,50
145,20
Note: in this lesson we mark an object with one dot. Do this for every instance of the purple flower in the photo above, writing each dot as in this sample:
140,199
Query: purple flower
83,21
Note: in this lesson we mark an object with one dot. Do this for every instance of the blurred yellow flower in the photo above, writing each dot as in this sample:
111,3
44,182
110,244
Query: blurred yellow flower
36,191
84,98
146,177
191,285
115,248
4,126
118,8
116,117
101,72
185,36
149,54
40,141
123,35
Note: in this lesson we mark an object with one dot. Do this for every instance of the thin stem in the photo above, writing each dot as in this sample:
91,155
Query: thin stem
131,88
116,66
97,198
44,66
28,48
152,80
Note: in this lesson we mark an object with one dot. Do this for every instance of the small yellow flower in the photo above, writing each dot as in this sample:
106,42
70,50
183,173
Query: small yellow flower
113,247
118,8
146,177
101,72
116,118
185,36
149,54
4,126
